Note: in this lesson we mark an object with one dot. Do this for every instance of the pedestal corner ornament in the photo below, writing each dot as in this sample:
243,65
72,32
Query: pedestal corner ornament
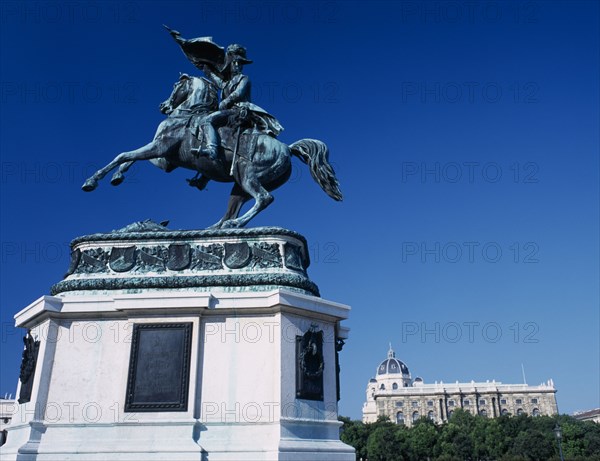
310,365
28,366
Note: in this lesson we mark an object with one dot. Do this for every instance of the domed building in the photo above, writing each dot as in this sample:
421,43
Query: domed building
394,394
393,373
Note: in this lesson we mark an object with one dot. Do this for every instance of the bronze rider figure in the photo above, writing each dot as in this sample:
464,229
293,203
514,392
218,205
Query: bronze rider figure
235,89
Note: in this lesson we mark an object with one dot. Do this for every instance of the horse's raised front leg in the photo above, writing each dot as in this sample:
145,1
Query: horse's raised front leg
159,162
237,198
147,152
119,177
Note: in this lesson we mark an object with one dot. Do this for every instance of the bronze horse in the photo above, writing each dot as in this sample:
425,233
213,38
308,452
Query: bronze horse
259,165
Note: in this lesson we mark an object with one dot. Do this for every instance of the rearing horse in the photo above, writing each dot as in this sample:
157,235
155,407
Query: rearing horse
259,166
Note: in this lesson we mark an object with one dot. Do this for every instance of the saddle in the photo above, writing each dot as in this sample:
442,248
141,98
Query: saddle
234,142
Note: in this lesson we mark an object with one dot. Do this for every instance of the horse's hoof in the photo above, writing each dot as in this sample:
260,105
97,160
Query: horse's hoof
230,224
117,179
215,226
89,185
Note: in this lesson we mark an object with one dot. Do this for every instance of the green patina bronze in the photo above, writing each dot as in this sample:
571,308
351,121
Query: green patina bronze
147,255
224,139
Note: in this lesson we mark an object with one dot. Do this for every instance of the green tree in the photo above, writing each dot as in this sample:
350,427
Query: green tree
591,440
473,438
481,435
447,457
533,446
388,442
455,438
423,439
514,425
573,434
355,434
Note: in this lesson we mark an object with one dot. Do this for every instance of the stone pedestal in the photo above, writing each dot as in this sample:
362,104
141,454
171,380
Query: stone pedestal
170,345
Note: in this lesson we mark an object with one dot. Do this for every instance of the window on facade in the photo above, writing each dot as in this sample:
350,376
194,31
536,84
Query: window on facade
405,384
519,412
483,413
399,418
415,416
415,404
430,403
450,403
535,412
534,401
504,411
395,386
481,401
466,403
399,404
503,401
382,387
518,401
431,416
450,413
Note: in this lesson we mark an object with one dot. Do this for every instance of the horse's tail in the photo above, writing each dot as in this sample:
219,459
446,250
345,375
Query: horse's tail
316,155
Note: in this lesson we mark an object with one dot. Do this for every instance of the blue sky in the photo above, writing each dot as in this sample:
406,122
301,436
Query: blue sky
464,135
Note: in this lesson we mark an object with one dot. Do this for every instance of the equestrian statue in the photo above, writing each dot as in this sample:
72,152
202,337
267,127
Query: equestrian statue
226,139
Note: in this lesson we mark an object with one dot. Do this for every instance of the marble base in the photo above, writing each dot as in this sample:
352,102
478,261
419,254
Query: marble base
242,392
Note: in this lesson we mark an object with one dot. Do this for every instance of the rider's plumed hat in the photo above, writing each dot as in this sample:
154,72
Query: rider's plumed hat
233,53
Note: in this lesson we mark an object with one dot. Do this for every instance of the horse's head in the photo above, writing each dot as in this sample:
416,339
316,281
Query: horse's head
194,92
181,91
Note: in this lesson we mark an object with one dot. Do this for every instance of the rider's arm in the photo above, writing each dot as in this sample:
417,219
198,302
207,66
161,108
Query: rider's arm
240,94
212,76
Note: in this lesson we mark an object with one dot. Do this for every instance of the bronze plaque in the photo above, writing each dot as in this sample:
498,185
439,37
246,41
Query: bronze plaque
159,367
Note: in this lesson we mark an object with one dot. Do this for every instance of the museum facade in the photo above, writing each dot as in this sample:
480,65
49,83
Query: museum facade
392,393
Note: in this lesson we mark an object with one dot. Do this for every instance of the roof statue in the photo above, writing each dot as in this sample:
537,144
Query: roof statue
214,129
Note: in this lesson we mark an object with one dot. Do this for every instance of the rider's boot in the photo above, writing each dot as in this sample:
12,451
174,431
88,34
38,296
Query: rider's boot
211,149
198,181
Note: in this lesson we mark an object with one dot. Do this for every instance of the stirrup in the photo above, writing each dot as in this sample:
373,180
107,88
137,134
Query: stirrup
210,151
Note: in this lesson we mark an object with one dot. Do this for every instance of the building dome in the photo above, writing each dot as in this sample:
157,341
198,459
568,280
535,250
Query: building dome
392,365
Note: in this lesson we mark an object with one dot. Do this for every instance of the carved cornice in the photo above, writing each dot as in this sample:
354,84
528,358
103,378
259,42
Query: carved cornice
148,258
